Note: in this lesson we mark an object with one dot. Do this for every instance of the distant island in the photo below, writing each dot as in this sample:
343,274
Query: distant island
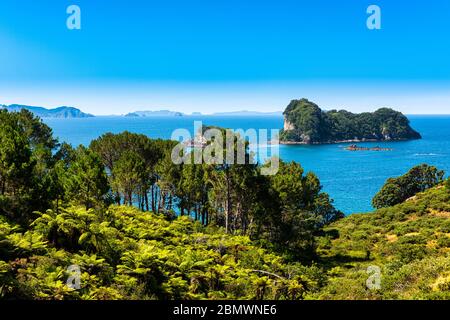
158,113
70,112
247,113
306,123
61,112
168,113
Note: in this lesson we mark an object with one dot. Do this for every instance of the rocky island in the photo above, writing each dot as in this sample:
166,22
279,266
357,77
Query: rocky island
61,112
158,113
306,123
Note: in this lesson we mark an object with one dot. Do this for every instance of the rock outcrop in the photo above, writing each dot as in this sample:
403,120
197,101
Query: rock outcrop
306,123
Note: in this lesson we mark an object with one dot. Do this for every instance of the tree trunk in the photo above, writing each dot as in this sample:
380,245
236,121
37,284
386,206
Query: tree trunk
118,198
153,198
3,187
146,200
228,211
203,214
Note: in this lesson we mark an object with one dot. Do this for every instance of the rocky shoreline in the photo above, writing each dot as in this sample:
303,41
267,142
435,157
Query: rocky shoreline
354,147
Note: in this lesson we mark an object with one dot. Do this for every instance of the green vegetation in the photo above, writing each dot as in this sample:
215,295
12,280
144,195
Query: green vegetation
139,226
410,242
27,166
397,190
238,234
124,253
306,123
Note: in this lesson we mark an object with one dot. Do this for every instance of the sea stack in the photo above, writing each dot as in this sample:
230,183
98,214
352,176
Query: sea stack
306,123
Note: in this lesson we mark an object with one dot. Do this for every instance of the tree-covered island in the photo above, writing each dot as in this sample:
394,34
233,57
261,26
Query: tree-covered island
306,123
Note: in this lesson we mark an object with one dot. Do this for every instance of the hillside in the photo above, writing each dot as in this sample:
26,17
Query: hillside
124,253
306,123
61,112
410,242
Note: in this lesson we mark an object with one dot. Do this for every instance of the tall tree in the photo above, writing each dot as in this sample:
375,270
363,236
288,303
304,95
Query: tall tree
300,209
129,177
111,147
87,182
230,178
26,156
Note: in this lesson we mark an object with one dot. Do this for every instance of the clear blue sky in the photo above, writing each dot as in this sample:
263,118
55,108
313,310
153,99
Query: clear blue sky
225,55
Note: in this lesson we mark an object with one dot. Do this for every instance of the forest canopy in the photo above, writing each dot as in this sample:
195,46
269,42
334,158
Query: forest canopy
131,218
137,226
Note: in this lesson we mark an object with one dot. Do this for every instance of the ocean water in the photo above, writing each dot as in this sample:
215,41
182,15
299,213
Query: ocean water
351,178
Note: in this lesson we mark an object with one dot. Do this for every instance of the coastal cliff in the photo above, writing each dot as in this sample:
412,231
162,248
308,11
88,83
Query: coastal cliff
306,123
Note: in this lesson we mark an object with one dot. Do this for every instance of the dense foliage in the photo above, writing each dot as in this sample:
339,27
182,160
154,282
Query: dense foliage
90,207
409,242
307,123
137,226
287,209
397,190
27,175
124,253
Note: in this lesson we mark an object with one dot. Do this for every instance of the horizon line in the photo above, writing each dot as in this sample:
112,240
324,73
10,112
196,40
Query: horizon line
199,113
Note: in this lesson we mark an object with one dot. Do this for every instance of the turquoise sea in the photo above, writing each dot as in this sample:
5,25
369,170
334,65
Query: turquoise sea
351,178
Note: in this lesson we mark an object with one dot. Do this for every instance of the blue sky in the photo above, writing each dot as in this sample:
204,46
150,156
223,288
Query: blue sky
225,55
